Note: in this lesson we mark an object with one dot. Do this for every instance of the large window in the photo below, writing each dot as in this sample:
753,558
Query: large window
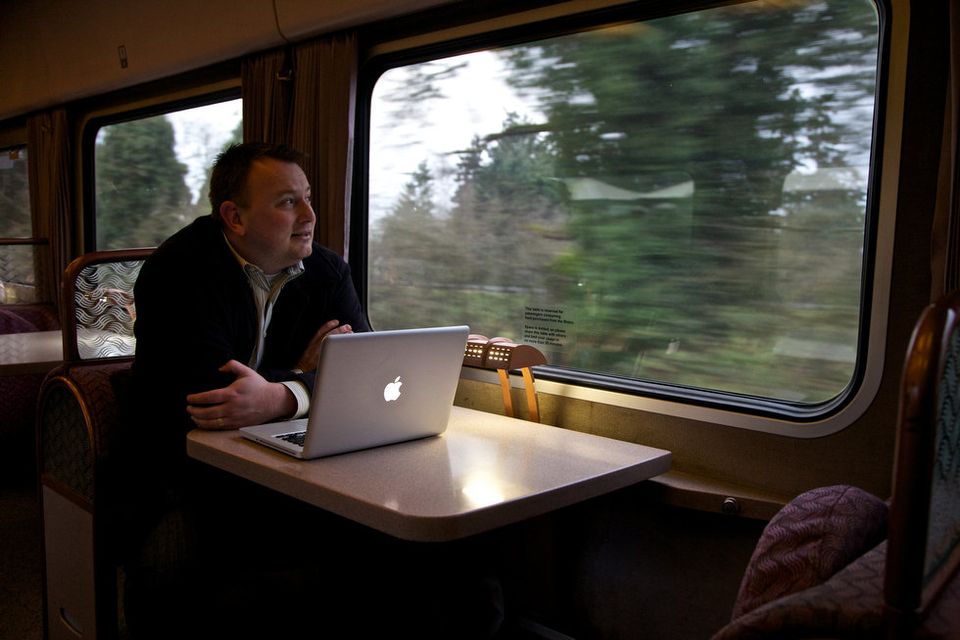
18,246
681,200
151,174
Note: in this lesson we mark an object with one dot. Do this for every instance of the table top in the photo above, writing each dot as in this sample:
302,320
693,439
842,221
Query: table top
486,471
32,352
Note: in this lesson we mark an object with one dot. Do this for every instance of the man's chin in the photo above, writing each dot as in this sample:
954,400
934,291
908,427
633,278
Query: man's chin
304,252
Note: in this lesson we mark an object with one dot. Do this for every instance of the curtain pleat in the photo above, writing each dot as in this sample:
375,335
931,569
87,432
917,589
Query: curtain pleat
49,136
953,255
305,97
324,96
266,88
945,239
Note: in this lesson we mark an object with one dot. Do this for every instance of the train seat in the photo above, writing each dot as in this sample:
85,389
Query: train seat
43,317
79,416
836,562
19,392
80,419
98,305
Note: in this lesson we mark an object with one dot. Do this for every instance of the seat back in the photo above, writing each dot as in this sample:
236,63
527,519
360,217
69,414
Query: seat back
18,397
907,586
924,538
97,304
79,419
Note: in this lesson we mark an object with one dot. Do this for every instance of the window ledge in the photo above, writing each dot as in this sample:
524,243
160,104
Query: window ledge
682,489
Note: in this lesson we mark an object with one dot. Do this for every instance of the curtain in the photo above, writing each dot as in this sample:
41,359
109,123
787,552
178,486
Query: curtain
49,136
304,96
953,256
266,89
322,125
945,238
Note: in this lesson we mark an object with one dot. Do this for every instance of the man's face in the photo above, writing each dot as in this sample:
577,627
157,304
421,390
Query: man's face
274,222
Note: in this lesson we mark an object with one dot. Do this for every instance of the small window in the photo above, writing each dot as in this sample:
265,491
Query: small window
18,283
151,174
680,201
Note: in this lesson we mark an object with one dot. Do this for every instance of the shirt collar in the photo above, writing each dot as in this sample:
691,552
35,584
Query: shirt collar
256,274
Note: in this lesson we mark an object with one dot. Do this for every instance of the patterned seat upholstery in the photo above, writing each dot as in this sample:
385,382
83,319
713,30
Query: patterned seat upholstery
80,415
43,317
847,605
812,538
920,583
81,418
810,576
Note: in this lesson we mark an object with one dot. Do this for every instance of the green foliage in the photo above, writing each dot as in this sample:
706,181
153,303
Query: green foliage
645,220
141,194
14,195
202,206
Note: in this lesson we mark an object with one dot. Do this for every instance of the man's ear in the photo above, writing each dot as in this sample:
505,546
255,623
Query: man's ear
230,215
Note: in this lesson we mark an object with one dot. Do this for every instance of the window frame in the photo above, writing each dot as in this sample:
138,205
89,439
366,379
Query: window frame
738,410
33,239
152,107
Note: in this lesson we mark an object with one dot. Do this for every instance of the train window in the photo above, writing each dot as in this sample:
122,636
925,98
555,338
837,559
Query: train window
151,173
676,204
17,242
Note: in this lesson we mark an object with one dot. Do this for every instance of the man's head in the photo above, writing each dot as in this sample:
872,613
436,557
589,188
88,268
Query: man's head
228,180
262,199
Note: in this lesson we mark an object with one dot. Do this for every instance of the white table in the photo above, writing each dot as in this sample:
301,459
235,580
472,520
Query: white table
486,471
33,352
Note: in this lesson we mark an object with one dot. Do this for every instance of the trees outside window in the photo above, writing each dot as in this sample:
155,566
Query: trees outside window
681,200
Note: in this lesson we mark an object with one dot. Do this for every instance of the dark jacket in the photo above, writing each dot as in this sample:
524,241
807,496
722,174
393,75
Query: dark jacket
195,311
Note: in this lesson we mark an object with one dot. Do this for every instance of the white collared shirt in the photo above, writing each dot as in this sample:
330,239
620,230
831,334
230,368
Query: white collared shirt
266,289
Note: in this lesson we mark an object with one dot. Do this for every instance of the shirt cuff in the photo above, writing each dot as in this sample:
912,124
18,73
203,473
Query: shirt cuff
299,391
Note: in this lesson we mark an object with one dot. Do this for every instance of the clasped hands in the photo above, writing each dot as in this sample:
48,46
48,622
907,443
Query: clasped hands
251,399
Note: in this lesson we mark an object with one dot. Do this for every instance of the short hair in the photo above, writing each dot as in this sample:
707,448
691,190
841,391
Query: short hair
228,179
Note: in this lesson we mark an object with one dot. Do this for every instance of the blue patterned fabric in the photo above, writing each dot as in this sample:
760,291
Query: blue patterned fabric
943,533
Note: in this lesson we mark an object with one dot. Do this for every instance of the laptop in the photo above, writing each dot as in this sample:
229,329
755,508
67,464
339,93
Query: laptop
373,389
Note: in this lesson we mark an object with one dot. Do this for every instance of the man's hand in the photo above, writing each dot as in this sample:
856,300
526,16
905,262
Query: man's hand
246,401
308,361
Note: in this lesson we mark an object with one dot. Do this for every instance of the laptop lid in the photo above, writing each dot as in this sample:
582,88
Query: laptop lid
375,388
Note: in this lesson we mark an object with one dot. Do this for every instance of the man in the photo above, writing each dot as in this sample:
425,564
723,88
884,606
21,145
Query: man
231,313
232,309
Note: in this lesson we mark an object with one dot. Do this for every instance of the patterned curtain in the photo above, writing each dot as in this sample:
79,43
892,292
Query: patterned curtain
49,136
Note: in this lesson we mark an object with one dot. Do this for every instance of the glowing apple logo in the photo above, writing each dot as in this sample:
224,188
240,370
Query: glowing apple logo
392,391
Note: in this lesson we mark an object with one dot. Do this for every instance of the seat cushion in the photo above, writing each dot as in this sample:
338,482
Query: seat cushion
814,536
12,322
848,605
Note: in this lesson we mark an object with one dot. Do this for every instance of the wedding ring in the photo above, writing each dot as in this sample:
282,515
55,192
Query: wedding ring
220,423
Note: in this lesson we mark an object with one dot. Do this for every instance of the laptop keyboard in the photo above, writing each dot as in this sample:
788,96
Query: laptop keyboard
295,438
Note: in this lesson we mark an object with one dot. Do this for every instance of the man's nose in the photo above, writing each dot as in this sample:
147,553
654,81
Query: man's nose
306,212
